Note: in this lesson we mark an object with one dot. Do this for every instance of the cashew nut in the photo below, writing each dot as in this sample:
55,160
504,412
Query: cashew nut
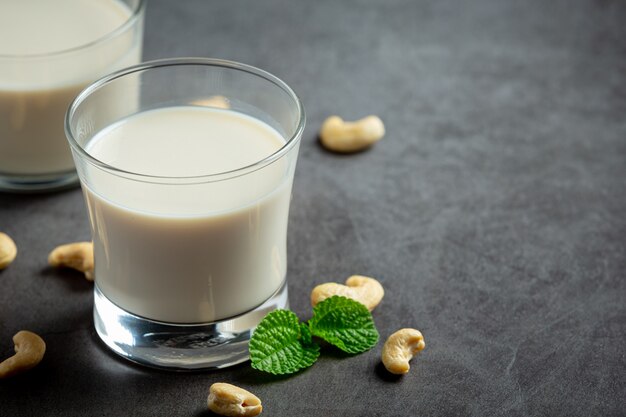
77,255
400,348
340,136
29,350
8,250
366,291
229,400
218,102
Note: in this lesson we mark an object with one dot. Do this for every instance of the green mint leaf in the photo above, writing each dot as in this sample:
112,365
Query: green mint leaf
344,323
305,334
276,345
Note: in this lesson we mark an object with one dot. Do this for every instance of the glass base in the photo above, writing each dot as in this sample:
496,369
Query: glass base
37,183
182,347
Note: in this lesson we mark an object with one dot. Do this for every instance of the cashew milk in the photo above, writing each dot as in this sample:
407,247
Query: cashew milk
49,51
188,248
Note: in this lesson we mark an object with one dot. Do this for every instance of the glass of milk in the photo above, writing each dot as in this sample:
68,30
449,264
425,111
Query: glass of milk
186,167
49,51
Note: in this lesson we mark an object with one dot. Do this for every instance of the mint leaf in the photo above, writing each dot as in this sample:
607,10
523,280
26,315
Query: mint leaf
276,346
281,344
305,334
344,323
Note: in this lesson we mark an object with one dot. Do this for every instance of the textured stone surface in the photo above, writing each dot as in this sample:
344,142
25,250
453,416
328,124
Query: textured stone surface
494,212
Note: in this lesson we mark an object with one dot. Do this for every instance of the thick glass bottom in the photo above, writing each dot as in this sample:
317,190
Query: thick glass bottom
176,346
37,183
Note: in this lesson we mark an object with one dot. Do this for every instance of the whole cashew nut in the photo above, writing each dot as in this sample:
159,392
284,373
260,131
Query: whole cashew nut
8,250
365,290
77,255
29,350
341,136
230,400
400,348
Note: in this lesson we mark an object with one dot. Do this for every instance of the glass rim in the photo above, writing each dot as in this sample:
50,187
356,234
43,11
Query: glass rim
173,62
102,39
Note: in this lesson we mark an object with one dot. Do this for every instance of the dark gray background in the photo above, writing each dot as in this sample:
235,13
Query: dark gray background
493,212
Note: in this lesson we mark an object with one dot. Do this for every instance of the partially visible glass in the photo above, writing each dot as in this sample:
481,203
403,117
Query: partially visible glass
186,266
36,89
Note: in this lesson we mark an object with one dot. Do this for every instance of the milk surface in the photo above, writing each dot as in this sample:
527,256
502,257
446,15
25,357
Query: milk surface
196,251
35,91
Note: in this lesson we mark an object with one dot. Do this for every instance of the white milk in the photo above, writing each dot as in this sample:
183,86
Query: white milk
35,91
188,253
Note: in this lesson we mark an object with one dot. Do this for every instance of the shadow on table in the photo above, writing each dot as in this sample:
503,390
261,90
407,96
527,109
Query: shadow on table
383,374
74,280
9,200
204,413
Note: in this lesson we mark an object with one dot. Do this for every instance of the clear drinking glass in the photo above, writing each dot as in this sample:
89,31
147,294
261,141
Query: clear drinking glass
186,267
36,89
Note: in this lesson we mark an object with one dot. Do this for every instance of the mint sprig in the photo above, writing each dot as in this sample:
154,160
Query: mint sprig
281,344
344,323
276,346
